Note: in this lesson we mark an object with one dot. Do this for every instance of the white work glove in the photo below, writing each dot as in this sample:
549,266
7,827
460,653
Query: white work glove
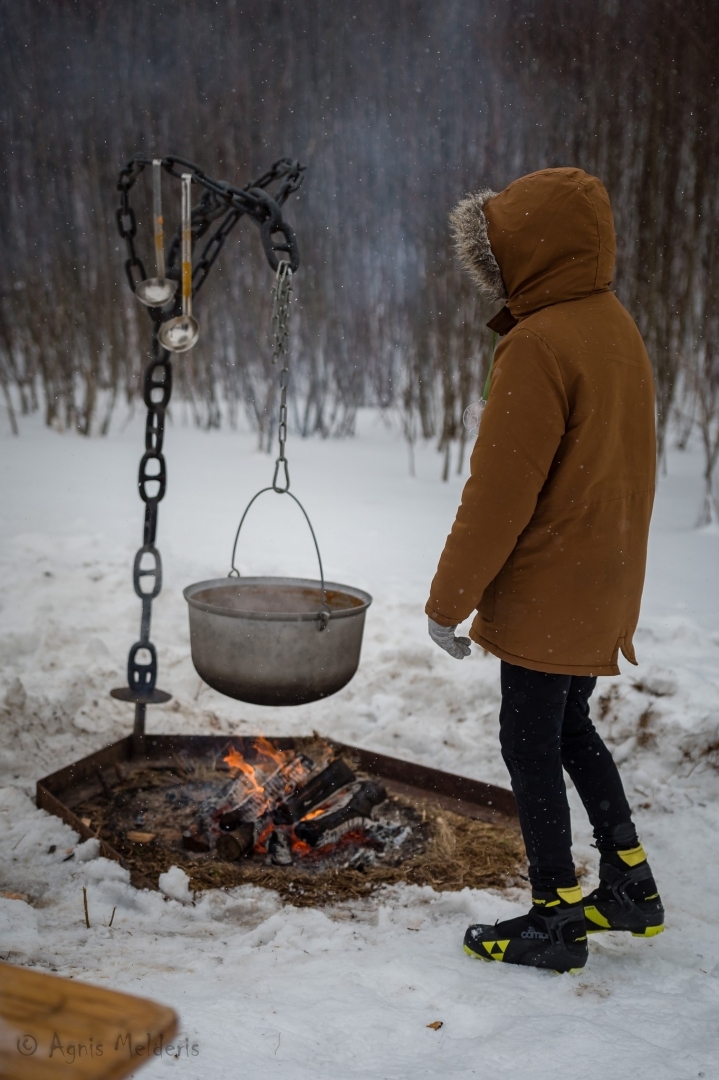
458,647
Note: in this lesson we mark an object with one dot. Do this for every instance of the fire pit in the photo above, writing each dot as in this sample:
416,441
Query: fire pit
316,820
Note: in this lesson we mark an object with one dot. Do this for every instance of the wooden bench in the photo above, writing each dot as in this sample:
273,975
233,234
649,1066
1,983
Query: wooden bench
51,1027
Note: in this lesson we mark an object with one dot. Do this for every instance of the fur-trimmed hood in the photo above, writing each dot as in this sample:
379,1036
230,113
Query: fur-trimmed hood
469,232
547,238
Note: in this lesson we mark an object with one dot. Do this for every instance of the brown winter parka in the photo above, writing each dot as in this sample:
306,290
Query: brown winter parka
550,539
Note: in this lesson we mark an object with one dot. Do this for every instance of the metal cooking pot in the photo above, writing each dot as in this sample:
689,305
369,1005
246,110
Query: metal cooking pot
268,640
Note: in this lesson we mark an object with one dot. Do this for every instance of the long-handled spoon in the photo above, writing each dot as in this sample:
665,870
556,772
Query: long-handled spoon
157,291
473,413
181,333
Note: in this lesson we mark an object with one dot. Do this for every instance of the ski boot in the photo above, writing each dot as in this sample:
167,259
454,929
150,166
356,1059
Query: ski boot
627,896
552,935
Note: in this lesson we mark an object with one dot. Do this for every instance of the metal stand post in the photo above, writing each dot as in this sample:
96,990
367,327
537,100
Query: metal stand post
138,732
220,208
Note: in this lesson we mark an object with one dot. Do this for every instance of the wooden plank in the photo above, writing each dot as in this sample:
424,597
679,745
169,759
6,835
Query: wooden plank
53,1028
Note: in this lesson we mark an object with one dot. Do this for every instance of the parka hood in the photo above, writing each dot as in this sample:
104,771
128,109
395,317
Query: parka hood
547,238
469,232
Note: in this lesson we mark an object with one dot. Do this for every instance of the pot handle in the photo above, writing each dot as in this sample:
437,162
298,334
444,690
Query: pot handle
324,614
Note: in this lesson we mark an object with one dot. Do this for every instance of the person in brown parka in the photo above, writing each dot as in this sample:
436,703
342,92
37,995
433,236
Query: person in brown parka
549,543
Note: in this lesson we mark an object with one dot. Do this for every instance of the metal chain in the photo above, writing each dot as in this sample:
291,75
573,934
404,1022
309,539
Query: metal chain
222,201
280,329
151,483
229,204
281,296
127,227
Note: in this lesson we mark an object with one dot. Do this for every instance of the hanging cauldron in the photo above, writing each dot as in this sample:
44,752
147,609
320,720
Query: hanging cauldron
276,641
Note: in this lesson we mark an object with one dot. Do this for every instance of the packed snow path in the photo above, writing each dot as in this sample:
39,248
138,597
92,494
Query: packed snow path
268,990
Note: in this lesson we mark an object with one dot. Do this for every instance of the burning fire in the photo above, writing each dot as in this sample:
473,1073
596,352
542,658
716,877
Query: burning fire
263,785
264,747
258,790
236,761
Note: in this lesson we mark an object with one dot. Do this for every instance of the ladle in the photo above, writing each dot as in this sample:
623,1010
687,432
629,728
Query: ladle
473,413
180,334
157,291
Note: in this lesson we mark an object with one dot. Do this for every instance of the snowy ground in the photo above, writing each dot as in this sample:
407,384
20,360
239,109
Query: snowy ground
271,990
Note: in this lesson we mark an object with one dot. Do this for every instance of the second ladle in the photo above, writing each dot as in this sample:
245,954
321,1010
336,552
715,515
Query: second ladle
180,334
157,291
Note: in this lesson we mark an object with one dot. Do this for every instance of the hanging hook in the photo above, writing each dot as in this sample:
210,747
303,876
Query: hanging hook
281,461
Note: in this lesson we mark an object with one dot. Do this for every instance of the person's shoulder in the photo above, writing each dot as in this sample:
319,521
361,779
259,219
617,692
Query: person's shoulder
595,323
570,310
526,348
599,310
529,332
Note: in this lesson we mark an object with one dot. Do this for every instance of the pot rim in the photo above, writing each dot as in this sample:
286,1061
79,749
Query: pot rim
275,616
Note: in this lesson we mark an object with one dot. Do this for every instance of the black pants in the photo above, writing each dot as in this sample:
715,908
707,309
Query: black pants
544,727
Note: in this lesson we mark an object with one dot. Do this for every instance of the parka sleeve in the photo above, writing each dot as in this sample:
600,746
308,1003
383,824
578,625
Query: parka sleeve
521,429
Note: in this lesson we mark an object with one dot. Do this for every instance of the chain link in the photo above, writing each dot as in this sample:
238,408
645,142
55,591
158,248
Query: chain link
281,297
151,482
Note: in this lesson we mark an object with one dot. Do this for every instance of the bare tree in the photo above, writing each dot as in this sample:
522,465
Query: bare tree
397,110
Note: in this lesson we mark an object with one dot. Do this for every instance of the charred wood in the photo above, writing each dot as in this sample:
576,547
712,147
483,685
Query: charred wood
233,846
337,775
329,827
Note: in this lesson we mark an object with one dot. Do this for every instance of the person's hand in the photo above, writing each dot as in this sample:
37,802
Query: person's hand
458,647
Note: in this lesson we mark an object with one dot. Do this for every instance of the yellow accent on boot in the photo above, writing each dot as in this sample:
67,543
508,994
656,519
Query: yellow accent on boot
571,895
496,949
476,955
592,915
633,856
651,931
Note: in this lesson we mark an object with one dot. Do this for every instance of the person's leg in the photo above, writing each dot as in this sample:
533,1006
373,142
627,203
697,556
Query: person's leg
553,934
593,772
627,897
530,734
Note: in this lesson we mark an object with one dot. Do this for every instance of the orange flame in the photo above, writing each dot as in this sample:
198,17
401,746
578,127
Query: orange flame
236,761
264,747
